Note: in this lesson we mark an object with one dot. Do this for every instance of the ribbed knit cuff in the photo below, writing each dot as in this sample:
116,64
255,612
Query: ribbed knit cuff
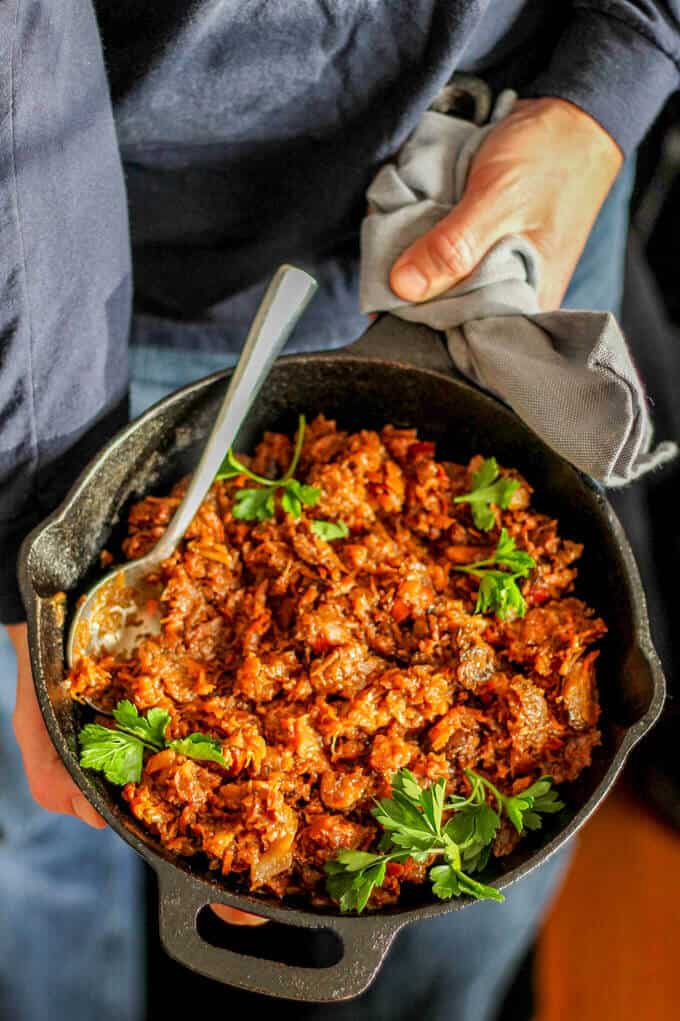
612,72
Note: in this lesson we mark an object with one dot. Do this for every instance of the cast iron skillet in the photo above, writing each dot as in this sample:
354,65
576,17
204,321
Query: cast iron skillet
395,373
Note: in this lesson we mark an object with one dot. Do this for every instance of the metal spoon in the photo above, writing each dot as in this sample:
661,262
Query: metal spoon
123,607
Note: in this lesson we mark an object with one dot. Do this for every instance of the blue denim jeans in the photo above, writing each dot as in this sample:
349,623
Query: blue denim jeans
71,941
71,930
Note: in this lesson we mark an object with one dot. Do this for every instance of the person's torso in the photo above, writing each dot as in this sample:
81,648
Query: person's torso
249,129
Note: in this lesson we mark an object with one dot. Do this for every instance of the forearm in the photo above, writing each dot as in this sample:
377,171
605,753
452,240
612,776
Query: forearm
64,265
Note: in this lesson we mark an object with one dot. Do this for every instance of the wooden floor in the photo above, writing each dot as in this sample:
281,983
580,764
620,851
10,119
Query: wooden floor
610,949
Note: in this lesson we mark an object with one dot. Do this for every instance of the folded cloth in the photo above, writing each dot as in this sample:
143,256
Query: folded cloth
569,375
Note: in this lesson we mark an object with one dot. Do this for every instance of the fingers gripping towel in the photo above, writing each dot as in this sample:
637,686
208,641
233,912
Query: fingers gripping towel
569,375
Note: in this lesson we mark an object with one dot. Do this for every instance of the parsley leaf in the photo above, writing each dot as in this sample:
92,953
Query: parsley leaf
488,488
291,503
480,891
254,505
507,555
415,826
448,882
444,879
524,809
352,877
309,495
473,828
500,593
330,530
295,494
201,747
432,801
119,756
355,861
498,589
405,783
152,729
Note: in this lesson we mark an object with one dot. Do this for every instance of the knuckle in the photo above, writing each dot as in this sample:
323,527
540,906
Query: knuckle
41,794
48,786
44,782
452,253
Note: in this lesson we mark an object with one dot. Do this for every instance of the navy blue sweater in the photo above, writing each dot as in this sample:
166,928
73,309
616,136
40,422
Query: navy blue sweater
199,143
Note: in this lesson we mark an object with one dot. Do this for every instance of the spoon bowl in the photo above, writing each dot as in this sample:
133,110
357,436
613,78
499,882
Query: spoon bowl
118,612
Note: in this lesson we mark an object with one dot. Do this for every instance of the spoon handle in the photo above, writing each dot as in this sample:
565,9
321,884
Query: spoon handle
282,305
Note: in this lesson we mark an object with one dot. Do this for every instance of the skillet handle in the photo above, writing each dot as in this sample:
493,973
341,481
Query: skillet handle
365,941
395,340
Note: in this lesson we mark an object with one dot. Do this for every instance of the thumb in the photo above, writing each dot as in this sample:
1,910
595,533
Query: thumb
450,250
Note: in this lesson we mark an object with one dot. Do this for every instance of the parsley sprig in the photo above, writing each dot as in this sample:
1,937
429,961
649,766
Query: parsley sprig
498,574
118,752
488,487
419,823
524,810
260,505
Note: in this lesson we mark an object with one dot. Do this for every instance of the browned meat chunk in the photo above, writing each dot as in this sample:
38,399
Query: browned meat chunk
580,694
477,660
530,722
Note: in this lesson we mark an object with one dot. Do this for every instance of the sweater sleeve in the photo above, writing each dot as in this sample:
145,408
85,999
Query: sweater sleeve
618,60
65,275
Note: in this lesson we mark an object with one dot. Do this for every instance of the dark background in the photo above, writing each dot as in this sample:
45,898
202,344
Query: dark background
651,517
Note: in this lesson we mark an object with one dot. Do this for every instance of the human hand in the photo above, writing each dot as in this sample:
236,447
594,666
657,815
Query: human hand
234,917
543,173
48,779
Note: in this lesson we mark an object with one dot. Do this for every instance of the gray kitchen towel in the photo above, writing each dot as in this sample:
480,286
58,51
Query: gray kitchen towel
569,375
